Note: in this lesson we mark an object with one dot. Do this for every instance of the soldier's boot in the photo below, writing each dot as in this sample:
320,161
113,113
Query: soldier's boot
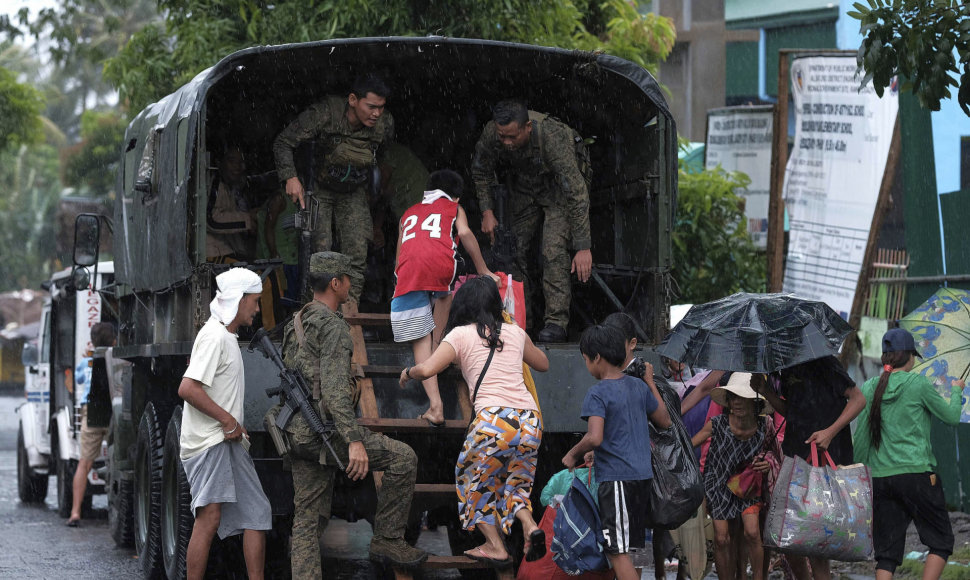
552,333
396,552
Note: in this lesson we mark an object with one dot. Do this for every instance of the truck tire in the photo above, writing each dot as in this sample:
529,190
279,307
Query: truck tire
149,451
31,487
177,518
65,485
120,513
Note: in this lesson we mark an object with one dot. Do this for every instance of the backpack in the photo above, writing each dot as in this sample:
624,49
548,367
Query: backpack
577,543
579,146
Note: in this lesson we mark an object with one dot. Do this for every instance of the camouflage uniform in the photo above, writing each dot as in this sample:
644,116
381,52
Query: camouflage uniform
343,158
547,186
325,361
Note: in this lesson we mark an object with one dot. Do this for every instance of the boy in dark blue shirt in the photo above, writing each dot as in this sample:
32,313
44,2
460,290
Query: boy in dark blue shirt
617,409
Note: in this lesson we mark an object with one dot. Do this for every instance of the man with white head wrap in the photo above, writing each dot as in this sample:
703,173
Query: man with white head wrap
226,494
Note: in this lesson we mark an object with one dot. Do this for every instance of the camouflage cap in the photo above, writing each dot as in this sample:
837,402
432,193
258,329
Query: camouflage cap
331,263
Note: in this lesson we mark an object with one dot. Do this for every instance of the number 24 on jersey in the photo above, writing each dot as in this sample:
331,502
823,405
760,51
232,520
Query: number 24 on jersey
431,224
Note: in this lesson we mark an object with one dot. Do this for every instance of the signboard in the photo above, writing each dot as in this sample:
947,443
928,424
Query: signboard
832,180
739,139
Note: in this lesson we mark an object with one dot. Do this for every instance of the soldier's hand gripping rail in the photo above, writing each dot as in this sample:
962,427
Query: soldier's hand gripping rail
294,396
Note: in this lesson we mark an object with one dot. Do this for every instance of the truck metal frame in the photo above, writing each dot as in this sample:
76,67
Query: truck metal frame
442,90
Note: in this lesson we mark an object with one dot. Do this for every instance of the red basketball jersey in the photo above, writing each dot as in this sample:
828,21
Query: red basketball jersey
426,258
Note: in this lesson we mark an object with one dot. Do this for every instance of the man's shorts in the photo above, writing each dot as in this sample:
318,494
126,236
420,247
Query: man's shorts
91,437
225,474
411,315
624,514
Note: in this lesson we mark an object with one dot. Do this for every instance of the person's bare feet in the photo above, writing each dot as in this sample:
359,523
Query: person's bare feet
436,418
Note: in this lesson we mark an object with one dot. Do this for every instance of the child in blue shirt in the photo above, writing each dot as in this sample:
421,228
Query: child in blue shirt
617,409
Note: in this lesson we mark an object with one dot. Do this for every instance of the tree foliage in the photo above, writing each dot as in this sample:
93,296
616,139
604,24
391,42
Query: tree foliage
20,108
713,253
29,192
915,40
91,164
197,33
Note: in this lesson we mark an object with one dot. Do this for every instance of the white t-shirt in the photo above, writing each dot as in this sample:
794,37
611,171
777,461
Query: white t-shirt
217,363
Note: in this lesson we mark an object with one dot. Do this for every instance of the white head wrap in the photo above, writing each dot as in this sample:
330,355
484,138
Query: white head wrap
232,284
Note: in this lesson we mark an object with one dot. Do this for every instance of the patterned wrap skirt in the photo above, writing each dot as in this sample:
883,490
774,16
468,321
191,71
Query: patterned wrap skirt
497,466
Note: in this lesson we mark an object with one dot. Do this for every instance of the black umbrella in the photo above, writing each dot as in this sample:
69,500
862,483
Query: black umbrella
757,333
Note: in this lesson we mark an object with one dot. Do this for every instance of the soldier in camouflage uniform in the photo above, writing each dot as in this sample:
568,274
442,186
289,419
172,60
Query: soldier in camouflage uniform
537,154
350,133
317,342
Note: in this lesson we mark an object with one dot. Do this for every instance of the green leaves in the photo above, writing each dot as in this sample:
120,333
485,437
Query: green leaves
198,33
20,109
713,252
915,40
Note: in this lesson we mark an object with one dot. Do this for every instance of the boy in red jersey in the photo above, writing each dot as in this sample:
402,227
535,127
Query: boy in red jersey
425,269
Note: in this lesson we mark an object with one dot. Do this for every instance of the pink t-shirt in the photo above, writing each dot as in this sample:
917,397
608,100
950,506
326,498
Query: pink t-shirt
503,385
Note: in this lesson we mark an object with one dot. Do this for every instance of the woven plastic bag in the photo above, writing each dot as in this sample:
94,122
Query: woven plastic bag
821,510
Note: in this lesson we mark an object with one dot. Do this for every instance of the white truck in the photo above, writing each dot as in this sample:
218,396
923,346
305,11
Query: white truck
49,431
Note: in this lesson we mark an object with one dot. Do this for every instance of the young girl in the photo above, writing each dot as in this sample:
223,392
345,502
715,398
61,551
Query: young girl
892,437
738,438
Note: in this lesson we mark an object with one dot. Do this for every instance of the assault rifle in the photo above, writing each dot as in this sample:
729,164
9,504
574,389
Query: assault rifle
294,393
504,246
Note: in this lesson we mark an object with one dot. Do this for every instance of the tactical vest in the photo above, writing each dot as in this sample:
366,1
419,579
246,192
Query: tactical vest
347,158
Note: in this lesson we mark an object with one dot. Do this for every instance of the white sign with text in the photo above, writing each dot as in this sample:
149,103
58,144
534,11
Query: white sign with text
832,179
739,139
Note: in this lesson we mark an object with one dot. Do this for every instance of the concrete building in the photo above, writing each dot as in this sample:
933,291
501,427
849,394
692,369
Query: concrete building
694,72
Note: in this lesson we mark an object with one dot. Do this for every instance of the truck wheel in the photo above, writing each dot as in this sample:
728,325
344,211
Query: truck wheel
65,485
148,493
120,513
177,518
31,487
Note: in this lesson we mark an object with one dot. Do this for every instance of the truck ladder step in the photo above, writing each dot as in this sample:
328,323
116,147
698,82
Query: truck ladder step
435,489
380,425
368,319
381,370
447,562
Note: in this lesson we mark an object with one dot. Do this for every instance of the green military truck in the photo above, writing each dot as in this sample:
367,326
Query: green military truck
442,92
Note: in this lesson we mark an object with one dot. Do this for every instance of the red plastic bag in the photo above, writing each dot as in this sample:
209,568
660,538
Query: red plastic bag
544,568
514,301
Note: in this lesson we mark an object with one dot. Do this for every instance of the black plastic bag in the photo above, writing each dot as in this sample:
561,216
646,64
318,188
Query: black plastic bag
676,490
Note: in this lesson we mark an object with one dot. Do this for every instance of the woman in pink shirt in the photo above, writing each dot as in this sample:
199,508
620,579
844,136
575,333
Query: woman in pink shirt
497,464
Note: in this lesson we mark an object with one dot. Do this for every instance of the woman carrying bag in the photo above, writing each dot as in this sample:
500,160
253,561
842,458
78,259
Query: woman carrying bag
496,468
892,437
741,464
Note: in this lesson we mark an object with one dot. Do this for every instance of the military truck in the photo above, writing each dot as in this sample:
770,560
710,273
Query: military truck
442,92
48,435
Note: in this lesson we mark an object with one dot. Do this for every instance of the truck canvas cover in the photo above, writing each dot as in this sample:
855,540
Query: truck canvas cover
442,90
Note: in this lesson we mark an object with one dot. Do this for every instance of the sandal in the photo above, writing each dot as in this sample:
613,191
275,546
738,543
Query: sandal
488,560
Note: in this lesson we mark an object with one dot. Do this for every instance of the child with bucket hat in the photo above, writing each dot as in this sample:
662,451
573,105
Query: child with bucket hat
740,438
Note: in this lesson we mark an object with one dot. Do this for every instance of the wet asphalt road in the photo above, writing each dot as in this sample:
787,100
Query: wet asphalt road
34,543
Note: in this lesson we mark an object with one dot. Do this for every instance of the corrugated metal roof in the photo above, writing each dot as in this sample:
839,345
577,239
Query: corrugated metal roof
754,9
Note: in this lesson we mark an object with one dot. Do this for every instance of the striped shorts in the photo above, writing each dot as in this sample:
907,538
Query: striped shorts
624,513
411,317
497,467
